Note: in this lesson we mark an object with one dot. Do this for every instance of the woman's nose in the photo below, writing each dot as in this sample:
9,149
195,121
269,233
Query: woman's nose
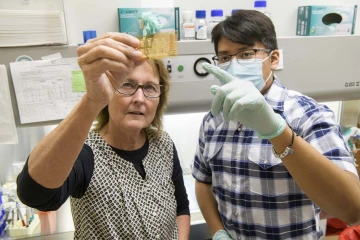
139,95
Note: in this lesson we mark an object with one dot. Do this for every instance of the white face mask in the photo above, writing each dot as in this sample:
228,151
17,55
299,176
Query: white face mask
247,72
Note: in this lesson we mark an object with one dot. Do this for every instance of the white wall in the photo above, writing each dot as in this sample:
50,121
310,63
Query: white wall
31,4
184,131
102,15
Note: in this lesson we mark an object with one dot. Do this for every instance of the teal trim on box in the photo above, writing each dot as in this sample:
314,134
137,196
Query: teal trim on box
354,20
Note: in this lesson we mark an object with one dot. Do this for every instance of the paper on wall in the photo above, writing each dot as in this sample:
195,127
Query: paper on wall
44,89
8,134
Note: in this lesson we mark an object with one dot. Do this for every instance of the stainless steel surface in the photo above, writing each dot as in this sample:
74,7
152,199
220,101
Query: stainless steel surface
197,232
57,236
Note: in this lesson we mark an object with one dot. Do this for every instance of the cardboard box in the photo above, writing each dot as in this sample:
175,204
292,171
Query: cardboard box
157,29
323,20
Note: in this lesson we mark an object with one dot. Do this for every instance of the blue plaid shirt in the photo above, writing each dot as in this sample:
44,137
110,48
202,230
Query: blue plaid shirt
257,197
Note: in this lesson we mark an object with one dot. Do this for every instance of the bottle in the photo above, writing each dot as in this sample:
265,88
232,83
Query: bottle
216,17
187,26
200,25
233,11
261,7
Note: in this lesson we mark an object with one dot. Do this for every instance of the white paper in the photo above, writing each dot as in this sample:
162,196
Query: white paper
8,132
32,27
44,89
52,56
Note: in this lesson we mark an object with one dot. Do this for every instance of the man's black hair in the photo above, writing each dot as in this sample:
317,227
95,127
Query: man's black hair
246,27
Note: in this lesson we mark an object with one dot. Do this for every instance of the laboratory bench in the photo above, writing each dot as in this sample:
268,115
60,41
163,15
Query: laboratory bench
198,231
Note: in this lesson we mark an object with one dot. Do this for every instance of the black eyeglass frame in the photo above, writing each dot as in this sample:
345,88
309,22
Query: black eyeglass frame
142,87
216,58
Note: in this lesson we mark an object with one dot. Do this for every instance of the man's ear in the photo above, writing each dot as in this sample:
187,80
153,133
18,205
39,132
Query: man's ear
275,59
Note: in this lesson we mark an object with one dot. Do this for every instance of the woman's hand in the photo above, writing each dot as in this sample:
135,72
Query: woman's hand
106,61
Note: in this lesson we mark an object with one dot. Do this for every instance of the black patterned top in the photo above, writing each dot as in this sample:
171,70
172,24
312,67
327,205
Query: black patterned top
133,194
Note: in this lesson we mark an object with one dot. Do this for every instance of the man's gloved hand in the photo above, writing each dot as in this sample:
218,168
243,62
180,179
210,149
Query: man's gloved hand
222,235
242,101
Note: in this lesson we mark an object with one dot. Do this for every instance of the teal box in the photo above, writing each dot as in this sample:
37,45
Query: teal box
142,22
326,20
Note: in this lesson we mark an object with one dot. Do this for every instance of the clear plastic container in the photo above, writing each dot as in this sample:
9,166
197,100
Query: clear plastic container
187,26
200,25
261,7
217,15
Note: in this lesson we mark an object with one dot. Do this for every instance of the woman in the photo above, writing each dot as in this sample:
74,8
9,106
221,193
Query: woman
124,177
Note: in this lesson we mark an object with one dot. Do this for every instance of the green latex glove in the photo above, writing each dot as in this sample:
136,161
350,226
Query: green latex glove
222,235
152,24
241,101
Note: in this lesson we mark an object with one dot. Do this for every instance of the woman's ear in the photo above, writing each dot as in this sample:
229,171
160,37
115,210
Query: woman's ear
275,59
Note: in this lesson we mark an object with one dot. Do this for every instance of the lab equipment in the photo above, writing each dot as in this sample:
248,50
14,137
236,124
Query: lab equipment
200,25
47,221
322,20
21,224
28,216
190,93
198,70
17,230
20,214
261,7
187,26
217,16
351,137
248,104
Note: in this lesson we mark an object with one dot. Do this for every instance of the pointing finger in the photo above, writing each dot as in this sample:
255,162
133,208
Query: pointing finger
220,74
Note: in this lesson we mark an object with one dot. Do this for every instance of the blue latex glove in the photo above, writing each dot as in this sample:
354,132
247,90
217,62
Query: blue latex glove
222,235
241,101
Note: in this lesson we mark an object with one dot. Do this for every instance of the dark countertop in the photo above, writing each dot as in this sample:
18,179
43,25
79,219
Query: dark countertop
197,232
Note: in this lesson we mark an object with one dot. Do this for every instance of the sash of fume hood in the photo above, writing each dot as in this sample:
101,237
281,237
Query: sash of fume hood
316,66
324,68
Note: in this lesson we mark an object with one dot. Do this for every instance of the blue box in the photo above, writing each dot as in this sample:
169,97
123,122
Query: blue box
323,20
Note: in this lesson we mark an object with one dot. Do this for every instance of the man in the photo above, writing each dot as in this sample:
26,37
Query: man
268,158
